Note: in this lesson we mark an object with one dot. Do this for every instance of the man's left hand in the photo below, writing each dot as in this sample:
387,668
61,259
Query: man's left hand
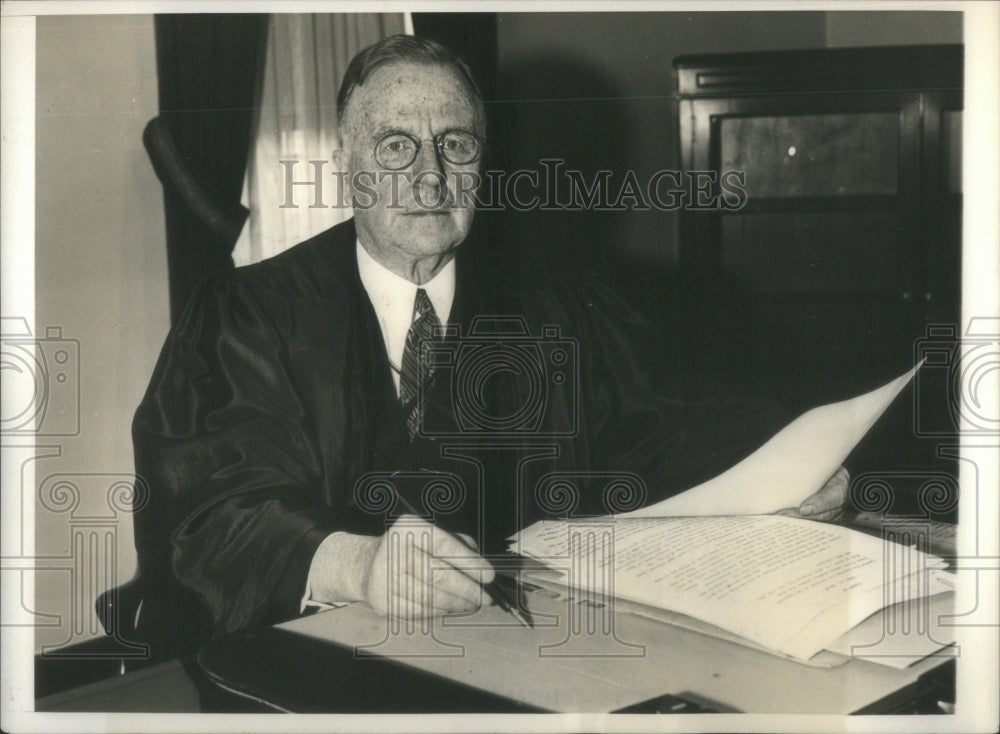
827,504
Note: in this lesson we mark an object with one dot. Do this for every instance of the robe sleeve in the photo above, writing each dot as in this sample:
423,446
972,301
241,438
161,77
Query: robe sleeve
631,418
226,447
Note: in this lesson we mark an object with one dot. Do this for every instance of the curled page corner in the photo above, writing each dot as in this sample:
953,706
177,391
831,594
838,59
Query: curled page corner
794,464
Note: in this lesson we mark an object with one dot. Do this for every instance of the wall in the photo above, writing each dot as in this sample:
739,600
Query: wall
892,28
599,88
101,276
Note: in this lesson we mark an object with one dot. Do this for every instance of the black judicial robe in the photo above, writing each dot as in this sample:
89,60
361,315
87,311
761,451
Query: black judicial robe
273,398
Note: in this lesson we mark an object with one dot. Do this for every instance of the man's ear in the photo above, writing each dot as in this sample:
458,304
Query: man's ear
340,164
339,157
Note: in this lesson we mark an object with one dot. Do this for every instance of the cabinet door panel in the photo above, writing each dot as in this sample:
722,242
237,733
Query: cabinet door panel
849,242
815,252
813,155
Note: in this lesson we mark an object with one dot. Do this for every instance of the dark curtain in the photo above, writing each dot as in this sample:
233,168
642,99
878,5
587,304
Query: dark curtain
209,71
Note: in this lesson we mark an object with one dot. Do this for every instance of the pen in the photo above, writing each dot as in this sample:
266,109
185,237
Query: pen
500,596
504,600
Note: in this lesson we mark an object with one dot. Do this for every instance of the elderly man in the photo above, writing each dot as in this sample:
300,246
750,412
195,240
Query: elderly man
286,384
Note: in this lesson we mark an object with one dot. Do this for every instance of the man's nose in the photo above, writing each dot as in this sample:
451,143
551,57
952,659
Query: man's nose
428,160
428,171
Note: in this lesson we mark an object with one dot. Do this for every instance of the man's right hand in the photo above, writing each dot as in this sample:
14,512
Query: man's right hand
419,570
413,571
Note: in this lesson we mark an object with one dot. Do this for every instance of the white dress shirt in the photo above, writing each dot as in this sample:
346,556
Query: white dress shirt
393,297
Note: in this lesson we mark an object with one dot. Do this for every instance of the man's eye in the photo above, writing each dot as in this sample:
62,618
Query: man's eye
457,143
398,146
459,147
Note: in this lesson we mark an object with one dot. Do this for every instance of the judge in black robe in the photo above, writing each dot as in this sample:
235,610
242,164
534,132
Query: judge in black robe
273,397
272,406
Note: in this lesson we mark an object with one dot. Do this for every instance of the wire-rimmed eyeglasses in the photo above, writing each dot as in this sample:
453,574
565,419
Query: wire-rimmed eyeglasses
398,150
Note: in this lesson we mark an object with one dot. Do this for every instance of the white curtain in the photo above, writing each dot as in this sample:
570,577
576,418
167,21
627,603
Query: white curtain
306,57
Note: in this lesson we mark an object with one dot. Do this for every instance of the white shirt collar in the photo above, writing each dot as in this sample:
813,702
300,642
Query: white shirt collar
392,297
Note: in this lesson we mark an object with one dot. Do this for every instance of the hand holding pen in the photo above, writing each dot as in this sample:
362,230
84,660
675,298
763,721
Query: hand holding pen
421,571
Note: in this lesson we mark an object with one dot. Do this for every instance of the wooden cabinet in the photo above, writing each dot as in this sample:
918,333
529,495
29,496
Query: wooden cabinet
848,245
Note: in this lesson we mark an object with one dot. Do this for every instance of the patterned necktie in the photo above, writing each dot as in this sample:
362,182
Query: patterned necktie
410,373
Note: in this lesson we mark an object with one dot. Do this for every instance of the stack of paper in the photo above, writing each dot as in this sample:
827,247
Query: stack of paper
714,552
789,585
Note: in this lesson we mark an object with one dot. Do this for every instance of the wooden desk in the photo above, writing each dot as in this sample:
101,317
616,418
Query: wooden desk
589,671
487,663
164,688
285,663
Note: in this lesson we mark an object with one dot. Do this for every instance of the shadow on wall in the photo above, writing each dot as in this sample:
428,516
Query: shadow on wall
561,108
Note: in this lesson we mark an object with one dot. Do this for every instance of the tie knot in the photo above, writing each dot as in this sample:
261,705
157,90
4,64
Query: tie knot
422,306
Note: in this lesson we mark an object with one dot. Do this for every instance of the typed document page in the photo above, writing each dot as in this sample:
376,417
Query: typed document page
788,584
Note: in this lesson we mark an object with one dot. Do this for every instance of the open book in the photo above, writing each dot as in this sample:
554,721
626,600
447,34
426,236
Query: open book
712,553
